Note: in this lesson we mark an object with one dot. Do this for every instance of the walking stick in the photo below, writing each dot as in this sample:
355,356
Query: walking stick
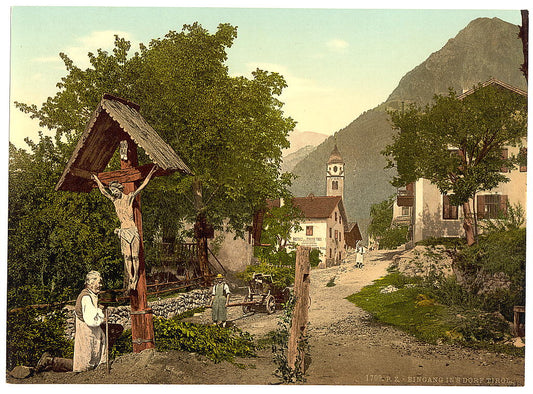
107,339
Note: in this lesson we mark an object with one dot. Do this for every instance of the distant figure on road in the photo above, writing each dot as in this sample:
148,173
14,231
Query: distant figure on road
359,256
220,301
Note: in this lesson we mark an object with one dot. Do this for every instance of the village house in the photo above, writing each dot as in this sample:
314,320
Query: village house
322,228
325,224
428,213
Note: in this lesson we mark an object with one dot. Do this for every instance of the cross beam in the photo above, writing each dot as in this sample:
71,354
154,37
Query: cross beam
127,175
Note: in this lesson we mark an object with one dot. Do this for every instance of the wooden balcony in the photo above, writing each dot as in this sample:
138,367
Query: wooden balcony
405,198
401,221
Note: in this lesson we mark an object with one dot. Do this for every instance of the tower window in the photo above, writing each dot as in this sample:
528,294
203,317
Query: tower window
335,185
335,168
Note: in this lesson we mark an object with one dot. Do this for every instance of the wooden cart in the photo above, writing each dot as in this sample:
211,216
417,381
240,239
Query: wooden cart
263,295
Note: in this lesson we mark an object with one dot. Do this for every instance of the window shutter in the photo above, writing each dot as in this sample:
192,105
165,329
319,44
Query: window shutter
448,211
523,160
505,156
445,207
480,207
503,204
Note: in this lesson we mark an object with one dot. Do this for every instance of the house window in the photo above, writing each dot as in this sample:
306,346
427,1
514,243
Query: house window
330,253
406,211
491,206
335,216
522,157
505,156
335,185
330,232
309,230
448,211
336,234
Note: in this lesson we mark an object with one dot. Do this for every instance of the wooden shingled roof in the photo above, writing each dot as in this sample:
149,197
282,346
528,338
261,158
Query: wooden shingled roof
315,207
497,83
114,120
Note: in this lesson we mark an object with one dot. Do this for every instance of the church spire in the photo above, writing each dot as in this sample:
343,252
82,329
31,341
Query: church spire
335,173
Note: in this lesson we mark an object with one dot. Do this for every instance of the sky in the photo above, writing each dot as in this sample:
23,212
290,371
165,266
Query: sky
338,62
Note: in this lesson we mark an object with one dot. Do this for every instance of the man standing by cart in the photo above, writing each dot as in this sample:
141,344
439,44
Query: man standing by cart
219,301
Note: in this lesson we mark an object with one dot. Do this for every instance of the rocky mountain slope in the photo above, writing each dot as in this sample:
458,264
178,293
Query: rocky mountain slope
486,48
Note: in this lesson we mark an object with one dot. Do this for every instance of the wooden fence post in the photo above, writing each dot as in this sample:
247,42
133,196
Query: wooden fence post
301,309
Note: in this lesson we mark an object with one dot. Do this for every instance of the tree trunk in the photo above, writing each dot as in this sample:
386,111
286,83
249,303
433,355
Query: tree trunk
201,239
468,224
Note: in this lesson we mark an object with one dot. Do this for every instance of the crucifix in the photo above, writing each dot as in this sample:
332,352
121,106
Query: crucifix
116,123
128,233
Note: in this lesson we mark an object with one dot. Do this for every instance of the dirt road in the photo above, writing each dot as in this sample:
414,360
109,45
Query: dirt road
346,347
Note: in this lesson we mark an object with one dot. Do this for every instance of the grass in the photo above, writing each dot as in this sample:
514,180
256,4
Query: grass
404,308
413,309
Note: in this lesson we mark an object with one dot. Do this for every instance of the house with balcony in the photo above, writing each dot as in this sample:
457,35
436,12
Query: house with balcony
428,213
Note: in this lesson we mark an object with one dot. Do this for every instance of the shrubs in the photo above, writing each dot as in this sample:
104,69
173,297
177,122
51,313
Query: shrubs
314,257
496,252
331,282
217,344
393,237
282,276
29,334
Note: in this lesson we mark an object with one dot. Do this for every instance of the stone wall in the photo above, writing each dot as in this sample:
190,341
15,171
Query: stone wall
166,308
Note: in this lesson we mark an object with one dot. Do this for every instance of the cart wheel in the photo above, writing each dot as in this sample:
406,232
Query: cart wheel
270,304
247,308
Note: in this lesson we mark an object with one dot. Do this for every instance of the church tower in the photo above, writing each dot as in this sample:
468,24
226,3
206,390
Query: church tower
335,174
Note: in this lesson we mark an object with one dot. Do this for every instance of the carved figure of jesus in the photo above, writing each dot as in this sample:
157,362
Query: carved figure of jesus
128,234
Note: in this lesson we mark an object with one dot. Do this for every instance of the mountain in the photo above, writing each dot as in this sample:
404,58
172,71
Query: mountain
290,160
302,139
486,48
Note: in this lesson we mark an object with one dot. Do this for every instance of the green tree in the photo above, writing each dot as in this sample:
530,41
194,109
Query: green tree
381,217
229,130
54,239
457,143
278,225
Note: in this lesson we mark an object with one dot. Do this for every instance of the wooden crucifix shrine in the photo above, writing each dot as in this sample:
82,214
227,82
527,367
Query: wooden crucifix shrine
117,123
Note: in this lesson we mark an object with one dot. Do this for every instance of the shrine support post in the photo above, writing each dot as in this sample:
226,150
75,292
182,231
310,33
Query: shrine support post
142,325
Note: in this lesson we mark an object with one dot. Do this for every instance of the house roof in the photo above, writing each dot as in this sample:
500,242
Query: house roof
335,156
352,234
314,207
494,82
114,120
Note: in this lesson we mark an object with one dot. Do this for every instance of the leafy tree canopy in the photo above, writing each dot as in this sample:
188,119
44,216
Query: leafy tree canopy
229,130
457,143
